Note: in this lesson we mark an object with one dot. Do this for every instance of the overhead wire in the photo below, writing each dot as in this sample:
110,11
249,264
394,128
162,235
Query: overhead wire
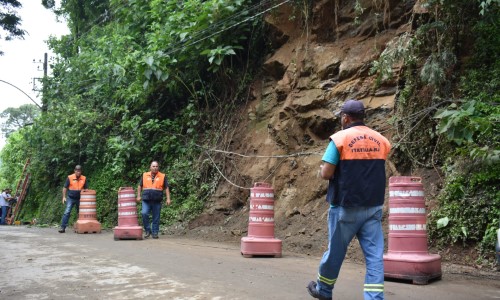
186,43
219,26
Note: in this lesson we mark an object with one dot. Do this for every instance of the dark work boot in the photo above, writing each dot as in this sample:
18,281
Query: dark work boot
311,288
62,230
155,235
147,235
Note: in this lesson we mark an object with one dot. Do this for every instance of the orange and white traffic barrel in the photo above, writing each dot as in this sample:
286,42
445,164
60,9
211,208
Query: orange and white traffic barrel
407,255
87,215
260,240
128,225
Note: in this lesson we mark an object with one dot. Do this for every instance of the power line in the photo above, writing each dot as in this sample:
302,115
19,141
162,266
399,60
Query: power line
219,26
21,92
225,29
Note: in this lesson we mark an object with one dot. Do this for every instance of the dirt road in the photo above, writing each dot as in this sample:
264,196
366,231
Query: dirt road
40,263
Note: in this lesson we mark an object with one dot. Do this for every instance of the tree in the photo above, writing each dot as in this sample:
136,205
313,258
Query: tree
10,21
18,117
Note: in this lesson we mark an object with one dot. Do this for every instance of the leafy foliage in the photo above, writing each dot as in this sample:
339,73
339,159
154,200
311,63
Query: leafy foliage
18,117
10,21
136,81
458,115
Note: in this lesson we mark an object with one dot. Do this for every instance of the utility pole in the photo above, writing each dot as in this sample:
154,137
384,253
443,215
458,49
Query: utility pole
45,71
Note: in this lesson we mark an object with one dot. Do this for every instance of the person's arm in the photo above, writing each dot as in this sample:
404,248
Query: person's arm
327,170
139,191
65,189
64,194
167,192
330,160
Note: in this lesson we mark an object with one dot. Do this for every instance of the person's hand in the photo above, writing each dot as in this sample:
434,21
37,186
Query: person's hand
64,200
168,201
138,199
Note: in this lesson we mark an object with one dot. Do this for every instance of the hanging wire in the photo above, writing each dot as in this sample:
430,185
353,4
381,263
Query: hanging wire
284,157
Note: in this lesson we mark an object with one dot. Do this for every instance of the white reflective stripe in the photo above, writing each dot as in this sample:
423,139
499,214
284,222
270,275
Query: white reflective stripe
124,204
87,197
415,193
87,210
261,219
126,213
262,195
407,210
152,189
263,207
86,203
126,196
407,227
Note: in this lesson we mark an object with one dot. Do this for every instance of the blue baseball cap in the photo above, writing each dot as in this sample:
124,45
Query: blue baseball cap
352,106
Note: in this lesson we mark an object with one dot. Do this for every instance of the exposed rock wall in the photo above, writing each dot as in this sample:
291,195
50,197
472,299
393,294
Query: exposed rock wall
313,70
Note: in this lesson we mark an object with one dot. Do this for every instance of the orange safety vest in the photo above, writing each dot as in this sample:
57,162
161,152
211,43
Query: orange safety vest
156,184
76,184
153,188
359,178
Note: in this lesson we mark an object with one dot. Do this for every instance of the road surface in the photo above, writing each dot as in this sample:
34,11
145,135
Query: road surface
40,263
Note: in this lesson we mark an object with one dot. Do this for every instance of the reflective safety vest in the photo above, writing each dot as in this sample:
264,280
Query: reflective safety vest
153,187
76,185
359,178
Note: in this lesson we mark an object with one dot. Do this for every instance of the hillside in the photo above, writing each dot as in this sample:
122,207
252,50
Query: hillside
226,94
291,114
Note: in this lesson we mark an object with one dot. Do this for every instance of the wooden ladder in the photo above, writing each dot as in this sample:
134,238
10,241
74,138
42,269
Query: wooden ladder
21,190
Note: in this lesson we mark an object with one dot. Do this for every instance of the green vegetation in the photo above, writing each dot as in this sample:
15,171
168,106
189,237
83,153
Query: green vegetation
449,122
143,80
136,81
10,22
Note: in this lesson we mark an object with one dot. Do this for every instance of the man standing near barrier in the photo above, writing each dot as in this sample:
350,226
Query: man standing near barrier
152,184
72,187
354,165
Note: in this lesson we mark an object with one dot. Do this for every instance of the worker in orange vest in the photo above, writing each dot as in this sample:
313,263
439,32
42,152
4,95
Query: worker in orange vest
152,184
74,184
354,165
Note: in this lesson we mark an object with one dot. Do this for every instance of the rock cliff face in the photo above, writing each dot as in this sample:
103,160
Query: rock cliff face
319,62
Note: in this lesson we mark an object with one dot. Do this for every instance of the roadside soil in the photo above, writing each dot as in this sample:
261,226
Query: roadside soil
304,232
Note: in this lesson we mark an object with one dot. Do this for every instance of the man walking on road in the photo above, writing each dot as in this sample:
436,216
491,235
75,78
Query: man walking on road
151,185
354,165
74,184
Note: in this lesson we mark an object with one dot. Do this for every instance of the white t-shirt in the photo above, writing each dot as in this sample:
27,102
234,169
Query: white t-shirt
4,202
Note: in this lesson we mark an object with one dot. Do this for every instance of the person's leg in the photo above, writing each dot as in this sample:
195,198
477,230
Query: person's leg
67,212
156,206
371,240
342,227
4,215
146,209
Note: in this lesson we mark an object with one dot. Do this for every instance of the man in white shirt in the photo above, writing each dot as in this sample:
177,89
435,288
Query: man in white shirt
5,197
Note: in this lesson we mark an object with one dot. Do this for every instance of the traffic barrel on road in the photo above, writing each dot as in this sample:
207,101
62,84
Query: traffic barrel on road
407,254
260,240
87,215
128,226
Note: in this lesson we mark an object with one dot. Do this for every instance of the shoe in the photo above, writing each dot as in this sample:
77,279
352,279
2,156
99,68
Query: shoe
155,236
311,288
147,235
62,230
